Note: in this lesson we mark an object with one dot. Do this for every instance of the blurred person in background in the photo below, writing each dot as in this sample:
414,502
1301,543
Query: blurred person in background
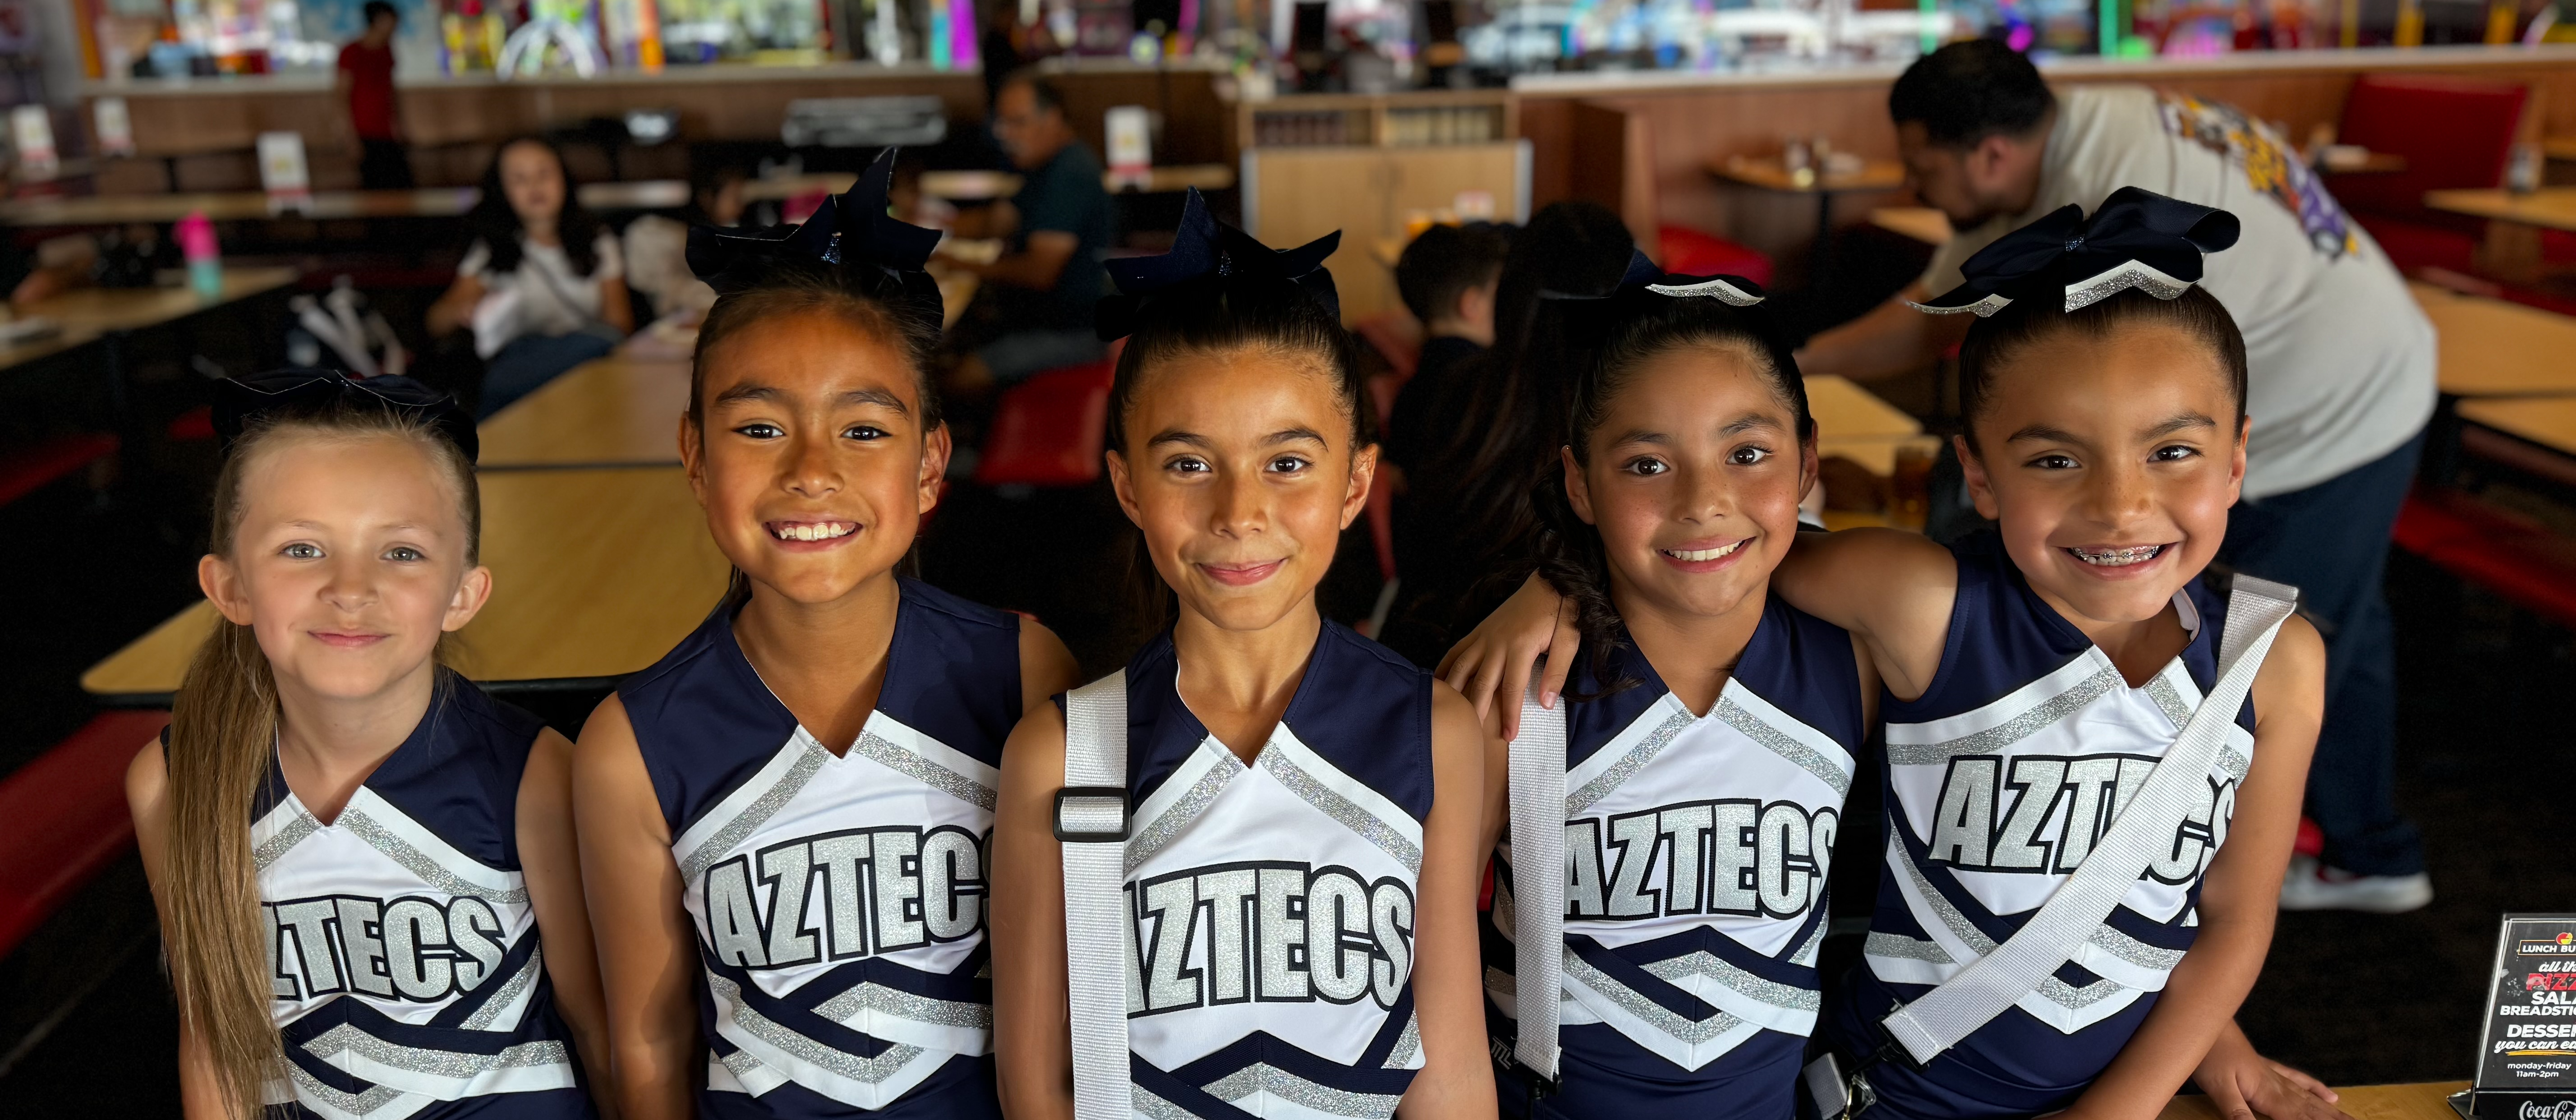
542,288
657,247
1056,230
1447,278
365,76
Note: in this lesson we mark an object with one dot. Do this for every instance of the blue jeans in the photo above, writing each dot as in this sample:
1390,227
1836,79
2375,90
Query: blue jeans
2331,542
526,364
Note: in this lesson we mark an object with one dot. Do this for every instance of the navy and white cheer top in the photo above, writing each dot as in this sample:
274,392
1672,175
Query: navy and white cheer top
1696,855
2000,777
406,973
1271,958
839,899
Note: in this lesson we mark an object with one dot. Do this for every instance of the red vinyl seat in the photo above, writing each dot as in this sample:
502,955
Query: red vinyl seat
2452,133
67,818
1684,251
1396,338
1051,429
29,469
2504,552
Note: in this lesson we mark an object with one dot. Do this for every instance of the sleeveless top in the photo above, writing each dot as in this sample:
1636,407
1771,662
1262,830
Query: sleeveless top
406,972
1697,852
1999,779
1272,905
838,899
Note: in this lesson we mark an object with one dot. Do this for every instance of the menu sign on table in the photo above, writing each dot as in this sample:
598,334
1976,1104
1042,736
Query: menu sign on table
2527,1051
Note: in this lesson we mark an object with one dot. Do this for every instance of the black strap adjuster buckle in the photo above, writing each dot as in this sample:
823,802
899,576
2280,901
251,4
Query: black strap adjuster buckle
1091,798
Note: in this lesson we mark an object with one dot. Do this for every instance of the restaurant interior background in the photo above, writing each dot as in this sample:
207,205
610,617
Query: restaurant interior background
1757,125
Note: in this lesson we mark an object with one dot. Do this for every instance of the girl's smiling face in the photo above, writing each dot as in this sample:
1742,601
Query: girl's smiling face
1242,472
1692,478
811,459
351,558
2110,462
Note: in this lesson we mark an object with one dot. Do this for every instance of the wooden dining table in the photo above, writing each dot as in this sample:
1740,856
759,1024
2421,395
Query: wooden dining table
2428,1100
596,573
86,315
2492,348
238,206
617,411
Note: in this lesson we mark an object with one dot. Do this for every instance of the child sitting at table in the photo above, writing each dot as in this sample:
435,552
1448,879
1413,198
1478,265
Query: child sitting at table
2062,921
542,288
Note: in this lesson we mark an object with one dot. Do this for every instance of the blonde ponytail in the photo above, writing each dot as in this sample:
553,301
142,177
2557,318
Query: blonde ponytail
223,732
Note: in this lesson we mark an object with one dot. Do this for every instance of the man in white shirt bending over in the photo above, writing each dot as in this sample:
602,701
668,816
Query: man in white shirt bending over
2342,376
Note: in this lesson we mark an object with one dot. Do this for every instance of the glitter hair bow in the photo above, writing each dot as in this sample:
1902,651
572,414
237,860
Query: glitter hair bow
2137,239
1733,291
241,400
850,231
1207,251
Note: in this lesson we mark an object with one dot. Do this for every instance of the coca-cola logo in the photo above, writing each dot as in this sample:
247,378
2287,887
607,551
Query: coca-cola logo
2536,1110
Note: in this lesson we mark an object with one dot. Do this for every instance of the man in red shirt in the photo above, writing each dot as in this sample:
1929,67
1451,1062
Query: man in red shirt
367,76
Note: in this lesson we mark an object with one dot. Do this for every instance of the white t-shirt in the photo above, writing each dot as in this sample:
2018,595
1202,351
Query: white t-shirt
657,264
2341,360
543,296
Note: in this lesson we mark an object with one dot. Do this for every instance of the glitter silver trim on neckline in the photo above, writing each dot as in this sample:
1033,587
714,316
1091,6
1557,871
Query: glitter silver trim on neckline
1655,1015
1262,1077
483,1017
1781,743
1994,739
417,862
1184,811
884,752
2160,689
869,1071
1898,946
722,841
1619,772
286,838
1340,808
1787,997
437,1063
905,1005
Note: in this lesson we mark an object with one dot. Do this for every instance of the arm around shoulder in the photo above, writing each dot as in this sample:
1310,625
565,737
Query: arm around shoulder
1893,588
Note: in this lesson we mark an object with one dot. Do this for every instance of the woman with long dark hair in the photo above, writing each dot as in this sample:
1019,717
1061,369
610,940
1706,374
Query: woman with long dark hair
543,286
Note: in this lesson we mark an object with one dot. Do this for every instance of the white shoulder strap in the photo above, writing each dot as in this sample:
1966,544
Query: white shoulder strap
1538,880
1926,1027
1091,825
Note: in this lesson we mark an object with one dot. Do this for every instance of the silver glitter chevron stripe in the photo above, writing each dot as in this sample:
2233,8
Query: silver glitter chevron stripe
742,1063
907,1006
1262,1077
1994,739
877,749
1183,812
2052,989
1788,997
1150,1105
1778,742
313,1089
1406,1045
2134,951
868,1071
286,838
1806,954
438,1063
484,1016
1655,1014
1340,808
1638,756
417,862
722,842
1897,945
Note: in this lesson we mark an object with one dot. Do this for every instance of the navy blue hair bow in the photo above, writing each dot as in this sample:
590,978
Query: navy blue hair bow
2137,239
240,400
1206,250
1734,291
851,230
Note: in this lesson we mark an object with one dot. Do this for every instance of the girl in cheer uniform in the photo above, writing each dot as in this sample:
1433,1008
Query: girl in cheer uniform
1698,784
2036,676
352,848
1266,824
787,815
